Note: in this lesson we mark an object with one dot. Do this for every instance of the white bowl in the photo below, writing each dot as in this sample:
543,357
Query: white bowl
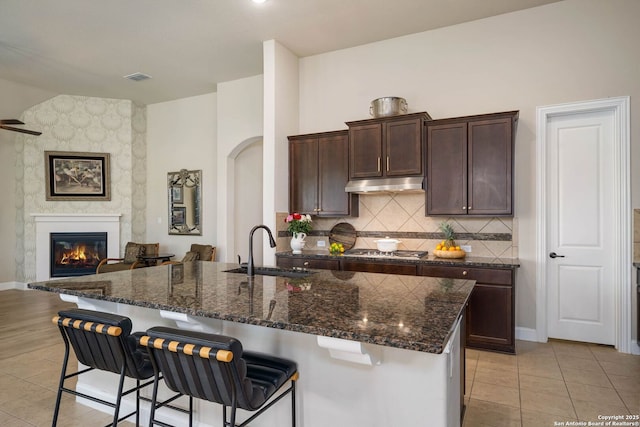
387,244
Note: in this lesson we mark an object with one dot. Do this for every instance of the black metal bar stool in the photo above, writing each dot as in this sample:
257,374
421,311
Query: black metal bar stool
103,341
215,368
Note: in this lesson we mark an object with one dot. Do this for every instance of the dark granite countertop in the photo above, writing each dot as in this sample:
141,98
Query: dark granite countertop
408,312
428,260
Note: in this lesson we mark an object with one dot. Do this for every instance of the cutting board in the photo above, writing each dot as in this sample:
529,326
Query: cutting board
343,233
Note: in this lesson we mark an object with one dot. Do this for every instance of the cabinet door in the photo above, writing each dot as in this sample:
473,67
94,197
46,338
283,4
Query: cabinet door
403,145
446,187
490,318
490,322
365,151
333,174
322,264
490,167
303,175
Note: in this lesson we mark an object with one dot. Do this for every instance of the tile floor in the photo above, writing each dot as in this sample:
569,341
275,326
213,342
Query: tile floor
545,383
549,384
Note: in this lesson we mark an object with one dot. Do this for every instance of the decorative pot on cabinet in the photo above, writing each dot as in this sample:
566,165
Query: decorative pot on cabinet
297,242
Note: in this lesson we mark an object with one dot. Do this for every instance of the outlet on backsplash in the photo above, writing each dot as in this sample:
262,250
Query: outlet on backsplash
320,244
466,248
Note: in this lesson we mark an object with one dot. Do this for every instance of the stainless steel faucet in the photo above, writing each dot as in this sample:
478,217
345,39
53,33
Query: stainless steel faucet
272,243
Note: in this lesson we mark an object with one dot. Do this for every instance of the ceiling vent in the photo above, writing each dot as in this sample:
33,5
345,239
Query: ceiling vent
137,77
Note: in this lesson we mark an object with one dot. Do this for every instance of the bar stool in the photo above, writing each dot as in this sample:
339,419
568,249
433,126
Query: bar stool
103,341
215,368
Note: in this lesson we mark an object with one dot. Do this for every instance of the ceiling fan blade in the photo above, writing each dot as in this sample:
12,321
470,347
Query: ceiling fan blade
30,132
11,122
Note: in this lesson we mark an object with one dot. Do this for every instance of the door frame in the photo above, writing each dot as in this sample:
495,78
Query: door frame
622,270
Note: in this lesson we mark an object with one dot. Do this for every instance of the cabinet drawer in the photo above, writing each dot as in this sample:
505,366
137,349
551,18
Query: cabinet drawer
481,275
322,264
376,267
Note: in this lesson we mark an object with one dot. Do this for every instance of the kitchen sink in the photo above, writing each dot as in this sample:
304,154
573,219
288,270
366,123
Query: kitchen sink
272,271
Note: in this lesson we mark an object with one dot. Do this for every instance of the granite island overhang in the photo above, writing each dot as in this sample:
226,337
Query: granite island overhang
373,349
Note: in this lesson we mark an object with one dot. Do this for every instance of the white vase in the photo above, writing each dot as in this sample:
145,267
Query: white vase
297,242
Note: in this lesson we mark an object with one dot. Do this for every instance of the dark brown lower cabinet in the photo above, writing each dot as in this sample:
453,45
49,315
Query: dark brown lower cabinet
490,314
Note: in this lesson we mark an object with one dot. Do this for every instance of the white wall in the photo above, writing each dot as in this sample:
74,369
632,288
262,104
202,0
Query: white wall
567,51
14,100
239,125
281,110
181,135
8,210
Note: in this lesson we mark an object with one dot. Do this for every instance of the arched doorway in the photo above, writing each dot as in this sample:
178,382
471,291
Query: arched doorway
247,196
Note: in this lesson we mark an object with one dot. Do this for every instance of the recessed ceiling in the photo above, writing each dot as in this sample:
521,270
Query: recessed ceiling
81,47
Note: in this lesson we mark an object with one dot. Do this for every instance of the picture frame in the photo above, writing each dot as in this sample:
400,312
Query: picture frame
178,216
77,176
177,274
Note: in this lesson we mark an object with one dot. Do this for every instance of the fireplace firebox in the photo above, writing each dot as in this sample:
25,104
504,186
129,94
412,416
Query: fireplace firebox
76,254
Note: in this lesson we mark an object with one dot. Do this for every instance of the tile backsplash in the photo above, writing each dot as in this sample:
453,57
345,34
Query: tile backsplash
402,216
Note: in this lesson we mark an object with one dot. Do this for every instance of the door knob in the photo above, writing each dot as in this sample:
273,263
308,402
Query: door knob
555,255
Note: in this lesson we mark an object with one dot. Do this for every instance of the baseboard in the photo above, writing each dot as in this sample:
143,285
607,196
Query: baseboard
13,285
526,334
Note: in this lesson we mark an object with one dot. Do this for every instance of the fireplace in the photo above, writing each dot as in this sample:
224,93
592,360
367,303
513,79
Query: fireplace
76,254
48,223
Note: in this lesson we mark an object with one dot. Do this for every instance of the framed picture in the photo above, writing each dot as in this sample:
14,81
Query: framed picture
177,195
77,176
178,215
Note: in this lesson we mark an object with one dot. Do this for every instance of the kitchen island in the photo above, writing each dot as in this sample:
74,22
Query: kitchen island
372,349
490,314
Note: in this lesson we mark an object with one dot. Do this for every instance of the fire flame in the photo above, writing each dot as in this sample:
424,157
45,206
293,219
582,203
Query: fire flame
79,254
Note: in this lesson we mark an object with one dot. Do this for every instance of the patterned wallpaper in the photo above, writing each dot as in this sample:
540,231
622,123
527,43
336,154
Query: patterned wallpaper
402,216
83,124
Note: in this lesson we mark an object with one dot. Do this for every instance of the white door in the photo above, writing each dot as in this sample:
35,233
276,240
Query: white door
580,227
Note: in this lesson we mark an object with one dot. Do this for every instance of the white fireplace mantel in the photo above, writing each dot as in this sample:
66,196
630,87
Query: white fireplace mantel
47,223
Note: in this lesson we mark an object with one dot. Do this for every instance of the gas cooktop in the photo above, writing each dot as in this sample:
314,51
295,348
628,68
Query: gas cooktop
378,254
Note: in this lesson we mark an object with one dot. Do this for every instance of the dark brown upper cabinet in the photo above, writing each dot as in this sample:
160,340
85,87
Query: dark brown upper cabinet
470,165
387,147
318,173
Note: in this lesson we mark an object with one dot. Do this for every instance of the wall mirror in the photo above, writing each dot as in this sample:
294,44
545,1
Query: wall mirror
185,202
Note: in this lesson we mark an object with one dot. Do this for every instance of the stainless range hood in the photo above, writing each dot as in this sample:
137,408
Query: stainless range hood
393,185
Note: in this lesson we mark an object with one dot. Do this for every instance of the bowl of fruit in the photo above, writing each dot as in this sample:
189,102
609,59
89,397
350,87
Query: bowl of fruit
336,248
448,248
